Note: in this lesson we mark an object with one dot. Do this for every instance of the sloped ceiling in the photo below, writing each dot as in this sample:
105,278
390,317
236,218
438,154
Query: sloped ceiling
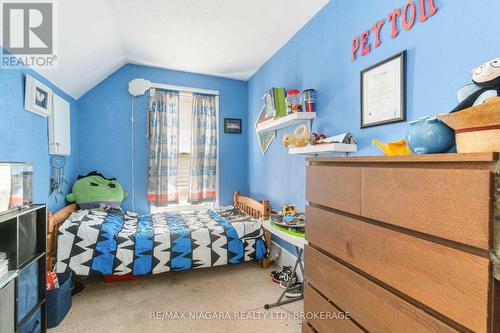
227,38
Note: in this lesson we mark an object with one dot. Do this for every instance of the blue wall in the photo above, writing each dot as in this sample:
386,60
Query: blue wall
105,130
24,138
441,53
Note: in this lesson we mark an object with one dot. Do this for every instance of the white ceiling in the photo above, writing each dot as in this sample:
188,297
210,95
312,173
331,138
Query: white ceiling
228,38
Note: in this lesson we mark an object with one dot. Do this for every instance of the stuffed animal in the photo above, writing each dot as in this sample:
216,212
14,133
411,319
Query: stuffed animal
317,137
486,84
288,210
300,138
96,191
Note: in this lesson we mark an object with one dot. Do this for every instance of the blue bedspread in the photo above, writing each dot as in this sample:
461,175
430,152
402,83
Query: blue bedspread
118,243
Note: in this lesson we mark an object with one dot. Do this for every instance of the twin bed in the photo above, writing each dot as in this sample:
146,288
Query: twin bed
114,242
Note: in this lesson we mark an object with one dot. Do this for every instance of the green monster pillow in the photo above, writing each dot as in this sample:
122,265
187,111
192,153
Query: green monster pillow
96,191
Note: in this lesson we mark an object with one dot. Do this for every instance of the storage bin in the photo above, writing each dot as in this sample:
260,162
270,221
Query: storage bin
34,324
7,308
59,300
27,290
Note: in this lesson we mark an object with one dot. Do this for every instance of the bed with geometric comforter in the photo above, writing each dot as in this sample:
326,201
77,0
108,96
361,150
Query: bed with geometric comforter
114,242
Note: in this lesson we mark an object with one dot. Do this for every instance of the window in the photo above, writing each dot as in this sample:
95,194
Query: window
184,162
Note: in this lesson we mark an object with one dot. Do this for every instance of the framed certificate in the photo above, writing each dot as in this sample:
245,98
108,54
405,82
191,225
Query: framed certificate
383,91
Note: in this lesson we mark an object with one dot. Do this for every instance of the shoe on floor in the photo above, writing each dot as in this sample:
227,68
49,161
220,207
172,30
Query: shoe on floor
295,292
293,285
283,275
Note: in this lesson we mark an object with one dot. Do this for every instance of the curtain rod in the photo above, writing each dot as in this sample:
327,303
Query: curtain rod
184,89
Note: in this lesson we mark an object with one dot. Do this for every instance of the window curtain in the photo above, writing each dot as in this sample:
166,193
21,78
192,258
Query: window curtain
203,150
163,134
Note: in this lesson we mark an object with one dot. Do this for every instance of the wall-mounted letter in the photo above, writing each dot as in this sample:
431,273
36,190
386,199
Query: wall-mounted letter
355,48
393,17
376,29
432,10
365,46
411,6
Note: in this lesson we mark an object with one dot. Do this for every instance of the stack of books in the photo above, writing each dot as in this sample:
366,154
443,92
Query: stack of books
275,103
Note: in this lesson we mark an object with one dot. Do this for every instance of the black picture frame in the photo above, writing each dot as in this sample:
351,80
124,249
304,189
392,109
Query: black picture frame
232,125
402,117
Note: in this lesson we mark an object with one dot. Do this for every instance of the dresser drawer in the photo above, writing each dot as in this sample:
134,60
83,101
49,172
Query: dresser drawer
449,203
306,328
452,282
370,305
335,187
315,304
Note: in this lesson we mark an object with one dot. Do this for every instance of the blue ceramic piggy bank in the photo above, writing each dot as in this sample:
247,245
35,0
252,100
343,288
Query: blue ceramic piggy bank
429,135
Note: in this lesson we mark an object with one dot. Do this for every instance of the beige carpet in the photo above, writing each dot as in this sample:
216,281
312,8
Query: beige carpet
236,291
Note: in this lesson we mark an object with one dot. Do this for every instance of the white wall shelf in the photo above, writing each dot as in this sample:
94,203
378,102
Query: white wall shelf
327,148
289,120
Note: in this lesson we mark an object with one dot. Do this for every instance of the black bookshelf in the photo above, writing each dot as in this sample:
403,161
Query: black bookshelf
23,294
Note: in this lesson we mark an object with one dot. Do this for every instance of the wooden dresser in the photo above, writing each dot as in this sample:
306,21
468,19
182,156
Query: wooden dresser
401,243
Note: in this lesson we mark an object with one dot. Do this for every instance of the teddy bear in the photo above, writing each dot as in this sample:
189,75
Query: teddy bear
300,138
486,84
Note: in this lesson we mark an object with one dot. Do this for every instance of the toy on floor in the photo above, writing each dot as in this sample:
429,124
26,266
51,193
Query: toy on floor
95,191
486,84
300,138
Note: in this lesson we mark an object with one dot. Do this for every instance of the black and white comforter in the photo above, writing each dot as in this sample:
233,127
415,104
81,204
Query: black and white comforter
116,243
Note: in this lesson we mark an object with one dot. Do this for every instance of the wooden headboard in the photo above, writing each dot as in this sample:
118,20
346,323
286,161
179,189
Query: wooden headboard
260,210
257,209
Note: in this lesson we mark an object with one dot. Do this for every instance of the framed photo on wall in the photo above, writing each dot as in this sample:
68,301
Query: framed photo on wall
232,125
37,97
383,92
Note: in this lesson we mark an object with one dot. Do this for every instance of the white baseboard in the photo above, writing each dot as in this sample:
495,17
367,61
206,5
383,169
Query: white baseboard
288,259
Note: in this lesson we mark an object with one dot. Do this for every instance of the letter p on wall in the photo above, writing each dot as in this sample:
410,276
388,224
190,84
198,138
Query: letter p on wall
355,48
406,16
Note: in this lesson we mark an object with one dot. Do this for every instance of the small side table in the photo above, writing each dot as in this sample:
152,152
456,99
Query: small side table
298,243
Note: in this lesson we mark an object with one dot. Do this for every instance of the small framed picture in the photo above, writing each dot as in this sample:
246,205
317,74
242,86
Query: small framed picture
37,97
383,92
232,125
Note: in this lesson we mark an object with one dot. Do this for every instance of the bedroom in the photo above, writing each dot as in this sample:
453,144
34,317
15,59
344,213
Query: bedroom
183,108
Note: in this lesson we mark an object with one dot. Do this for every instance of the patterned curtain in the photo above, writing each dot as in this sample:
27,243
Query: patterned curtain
163,133
203,150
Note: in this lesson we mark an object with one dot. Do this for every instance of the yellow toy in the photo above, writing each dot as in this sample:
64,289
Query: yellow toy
300,138
396,148
288,210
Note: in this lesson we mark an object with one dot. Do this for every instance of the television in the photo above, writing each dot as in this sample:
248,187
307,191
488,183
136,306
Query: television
16,186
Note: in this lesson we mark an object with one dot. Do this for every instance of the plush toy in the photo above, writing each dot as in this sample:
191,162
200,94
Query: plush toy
288,210
486,84
96,191
300,138
317,137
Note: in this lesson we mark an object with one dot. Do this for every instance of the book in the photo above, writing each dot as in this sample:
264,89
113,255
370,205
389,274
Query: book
269,109
280,102
275,103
